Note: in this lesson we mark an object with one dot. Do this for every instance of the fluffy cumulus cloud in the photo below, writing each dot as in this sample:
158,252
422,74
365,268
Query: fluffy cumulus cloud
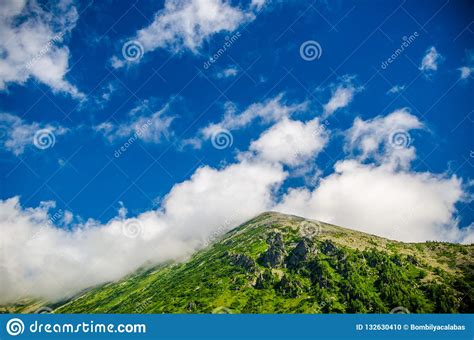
291,142
40,259
430,61
192,215
32,43
185,25
401,205
384,139
374,189
16,134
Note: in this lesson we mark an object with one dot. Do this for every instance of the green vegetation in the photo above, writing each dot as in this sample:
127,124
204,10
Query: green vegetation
284,264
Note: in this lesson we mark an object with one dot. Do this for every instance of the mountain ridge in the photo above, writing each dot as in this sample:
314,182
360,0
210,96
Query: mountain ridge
278,263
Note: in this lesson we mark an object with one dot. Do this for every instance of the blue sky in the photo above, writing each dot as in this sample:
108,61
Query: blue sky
344,135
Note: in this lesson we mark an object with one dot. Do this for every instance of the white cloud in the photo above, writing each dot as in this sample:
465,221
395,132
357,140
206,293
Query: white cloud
465,72
384,139
34,46
150,126
16,134
51,262
269,111
228,72
341,97
185,25
430,61
290,142
396,89
400,205
375,191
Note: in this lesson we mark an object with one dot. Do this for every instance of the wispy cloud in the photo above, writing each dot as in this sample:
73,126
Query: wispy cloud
269,111
341,96
465,72
228,72
16,134
396,89
430,61
151,126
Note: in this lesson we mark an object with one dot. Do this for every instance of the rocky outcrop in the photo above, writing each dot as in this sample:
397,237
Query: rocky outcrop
289,287
275,255
264,280
329,248
247,263
300,253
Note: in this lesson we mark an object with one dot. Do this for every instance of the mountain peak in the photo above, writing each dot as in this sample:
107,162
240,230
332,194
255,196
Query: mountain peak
277,263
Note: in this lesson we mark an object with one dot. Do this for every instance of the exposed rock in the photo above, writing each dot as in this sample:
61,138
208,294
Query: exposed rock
191,306
264,280
243,261
289,287
275,255
329,248
300,253
412,259
319,274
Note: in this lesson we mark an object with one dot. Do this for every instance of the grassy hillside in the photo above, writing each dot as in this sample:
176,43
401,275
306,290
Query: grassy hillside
277,263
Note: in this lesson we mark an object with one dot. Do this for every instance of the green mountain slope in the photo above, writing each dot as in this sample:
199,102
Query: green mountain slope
277,263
